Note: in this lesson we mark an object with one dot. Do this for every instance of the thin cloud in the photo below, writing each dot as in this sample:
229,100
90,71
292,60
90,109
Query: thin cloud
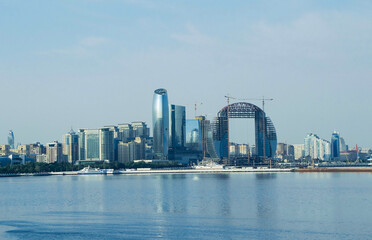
193,36
84,47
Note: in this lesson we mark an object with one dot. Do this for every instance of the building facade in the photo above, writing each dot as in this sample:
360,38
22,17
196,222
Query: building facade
71,146
54,152
317,148
335,146
96,144
11,139
160,124
177,126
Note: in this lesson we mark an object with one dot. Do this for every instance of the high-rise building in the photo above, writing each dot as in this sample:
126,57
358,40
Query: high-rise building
134,150
54,152
160,123
207,138
343,146
125,132
106,140
335,146
177,126
140,129
316,147
96,144
193,135
11,139
71,146
82,155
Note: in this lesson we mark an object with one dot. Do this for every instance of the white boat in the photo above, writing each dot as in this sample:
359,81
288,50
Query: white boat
89,170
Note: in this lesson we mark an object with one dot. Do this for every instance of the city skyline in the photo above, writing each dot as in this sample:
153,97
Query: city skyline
92,64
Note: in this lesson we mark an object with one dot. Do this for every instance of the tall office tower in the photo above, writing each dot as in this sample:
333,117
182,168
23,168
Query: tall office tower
160,123
91,146
54,152
11,139
177,126
96,144
335,146
140,129
82,155
71,146
114,130
207,138
116,133
125,133
106,140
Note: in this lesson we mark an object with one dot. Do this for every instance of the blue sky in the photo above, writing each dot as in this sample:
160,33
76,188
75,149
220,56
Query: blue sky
90,63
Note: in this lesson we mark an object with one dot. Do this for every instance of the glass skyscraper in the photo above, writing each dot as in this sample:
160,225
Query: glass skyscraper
160,123
177,126
71,146
11,139
335,146
193,135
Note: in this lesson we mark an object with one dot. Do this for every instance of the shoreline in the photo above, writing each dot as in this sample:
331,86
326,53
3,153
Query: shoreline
156,171
335,169
195,170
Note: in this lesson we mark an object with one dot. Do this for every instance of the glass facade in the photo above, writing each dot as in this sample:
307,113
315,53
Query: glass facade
335,146
11,139
81,144
92,144
193,134
177,126
106,144
71,146
160,123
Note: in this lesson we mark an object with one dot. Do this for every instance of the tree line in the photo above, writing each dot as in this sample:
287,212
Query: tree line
61,167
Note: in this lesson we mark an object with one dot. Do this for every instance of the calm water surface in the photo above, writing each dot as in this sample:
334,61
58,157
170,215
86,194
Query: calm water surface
188,206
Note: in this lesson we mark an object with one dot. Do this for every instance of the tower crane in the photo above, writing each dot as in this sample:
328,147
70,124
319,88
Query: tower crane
263,99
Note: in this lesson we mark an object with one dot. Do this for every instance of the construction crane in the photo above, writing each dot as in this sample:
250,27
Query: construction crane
263,99
196,104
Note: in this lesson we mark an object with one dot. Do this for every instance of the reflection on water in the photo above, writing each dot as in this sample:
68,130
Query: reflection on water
241,205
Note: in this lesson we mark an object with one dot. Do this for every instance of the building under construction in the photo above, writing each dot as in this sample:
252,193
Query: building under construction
265,134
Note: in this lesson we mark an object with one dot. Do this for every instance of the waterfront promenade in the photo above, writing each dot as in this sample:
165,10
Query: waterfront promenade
165,171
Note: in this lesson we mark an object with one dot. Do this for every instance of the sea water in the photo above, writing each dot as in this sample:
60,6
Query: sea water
188,206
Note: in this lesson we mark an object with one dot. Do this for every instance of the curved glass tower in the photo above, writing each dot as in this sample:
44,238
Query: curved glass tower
160,123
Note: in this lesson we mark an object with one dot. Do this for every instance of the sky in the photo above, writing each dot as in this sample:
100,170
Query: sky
91,63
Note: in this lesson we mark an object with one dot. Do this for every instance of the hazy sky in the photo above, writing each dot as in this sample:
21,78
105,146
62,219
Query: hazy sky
90,63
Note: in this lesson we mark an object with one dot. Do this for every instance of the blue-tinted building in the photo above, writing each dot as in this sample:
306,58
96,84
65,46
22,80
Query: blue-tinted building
11,139
160,123
177,126
335,146
193,135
